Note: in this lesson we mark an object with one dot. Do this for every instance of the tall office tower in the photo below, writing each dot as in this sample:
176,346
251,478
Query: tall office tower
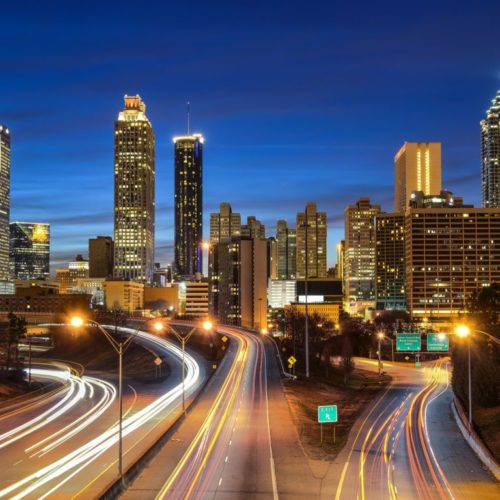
286,241
417,167
390,261
253,228
134,234
101,257
188,204
490,155
272,258
359,259
224,225
238,282
78,269
452,251
311,242
4,202
29,250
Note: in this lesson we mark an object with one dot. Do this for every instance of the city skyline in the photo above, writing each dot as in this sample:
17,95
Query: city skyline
274,136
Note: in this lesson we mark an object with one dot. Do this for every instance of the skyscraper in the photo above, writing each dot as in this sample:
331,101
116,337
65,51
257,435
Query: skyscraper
417,167
101,257
224,225
311,243
359,256
4,201
253,228
490,155
188,204
134,233
390,261
29,250
286,241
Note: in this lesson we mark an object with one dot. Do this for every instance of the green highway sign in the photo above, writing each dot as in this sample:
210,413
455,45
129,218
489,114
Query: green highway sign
438,342
408,342
327,414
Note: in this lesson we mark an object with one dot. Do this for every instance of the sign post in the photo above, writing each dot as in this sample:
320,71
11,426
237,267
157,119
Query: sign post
438,342
327,415
408,342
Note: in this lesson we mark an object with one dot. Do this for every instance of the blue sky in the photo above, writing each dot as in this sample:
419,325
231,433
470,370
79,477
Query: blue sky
298,102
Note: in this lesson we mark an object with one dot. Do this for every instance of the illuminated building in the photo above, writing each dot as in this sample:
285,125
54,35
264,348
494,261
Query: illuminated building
225,224
238,282
311,243
359,257
123,295
101,257
134,233
490,155
4,202
29,250
64,280
91,286
390,261
272,258
164,299
253,228
286,241
328,310
417,167
78,268
193,299
281,293
452,250
188,152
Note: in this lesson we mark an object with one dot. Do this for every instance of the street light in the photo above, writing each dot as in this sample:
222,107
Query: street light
381,336
120,348
183,339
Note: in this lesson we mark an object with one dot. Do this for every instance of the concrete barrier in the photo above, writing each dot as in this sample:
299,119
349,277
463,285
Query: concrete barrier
473,440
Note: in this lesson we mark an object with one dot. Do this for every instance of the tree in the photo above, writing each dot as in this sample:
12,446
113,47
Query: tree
16,328
346,364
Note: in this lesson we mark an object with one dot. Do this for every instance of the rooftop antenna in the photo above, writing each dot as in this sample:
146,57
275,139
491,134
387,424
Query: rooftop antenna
188,112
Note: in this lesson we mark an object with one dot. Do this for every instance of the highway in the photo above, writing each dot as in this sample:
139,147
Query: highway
65,444
393,451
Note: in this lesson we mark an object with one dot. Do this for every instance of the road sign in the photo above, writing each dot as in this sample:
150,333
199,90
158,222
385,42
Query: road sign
292,360
438,342
327,414
418,364
408,342
158,361
224,339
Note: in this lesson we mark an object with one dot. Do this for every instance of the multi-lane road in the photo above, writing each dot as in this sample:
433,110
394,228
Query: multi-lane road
239,440
64,444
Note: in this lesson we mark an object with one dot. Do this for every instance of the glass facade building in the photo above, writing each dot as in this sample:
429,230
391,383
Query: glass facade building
188,204
29,250
490,155
4,201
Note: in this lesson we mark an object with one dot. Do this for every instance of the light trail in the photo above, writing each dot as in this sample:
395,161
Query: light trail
86,454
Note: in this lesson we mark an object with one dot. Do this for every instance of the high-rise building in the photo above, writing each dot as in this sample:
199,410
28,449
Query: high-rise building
134,233
417,167
4,202
359,258
281,293
101,257
188,204
238,282
286,241
29,250
390,261
452,251
78,269
253,228
193,299
311,243
224,225
272,258
490,155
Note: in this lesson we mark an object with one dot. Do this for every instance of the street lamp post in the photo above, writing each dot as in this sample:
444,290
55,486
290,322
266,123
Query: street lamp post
183,339
464,331
120,347
306,226
380,336
29,358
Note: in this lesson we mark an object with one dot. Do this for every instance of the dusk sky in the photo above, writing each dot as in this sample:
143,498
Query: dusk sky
298,102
